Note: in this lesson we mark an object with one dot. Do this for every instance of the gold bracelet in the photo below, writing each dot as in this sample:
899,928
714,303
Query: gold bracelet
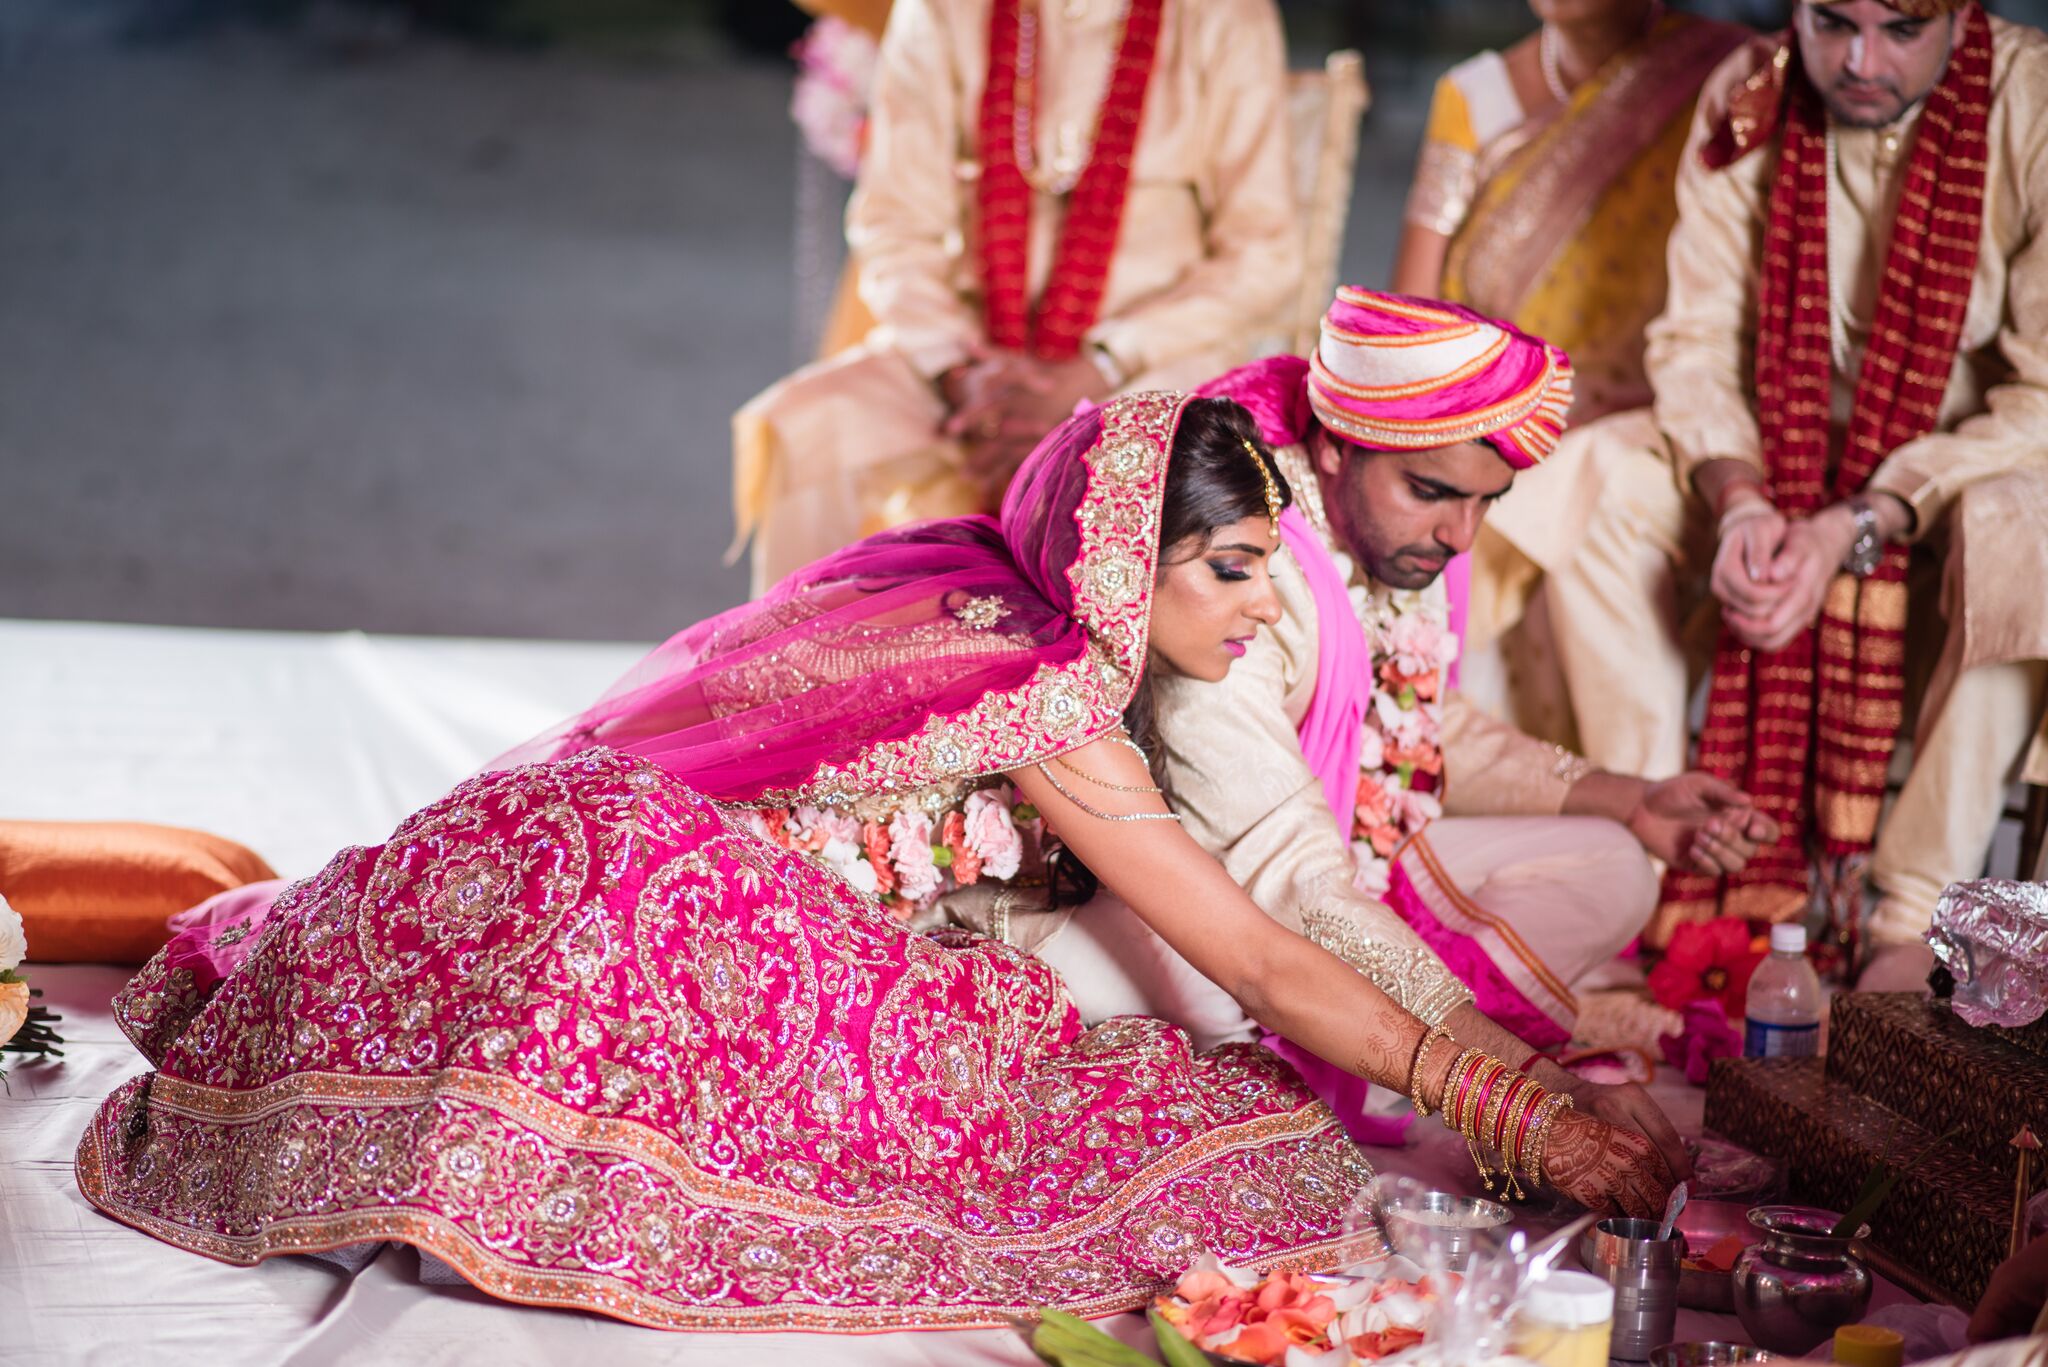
1487,1094
1431,1036
1513,1148
1539,1132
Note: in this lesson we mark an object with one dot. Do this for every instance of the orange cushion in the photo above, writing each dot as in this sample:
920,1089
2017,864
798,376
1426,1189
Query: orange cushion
99,891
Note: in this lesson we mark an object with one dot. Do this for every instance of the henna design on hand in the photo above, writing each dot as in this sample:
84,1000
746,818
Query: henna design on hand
1611,1170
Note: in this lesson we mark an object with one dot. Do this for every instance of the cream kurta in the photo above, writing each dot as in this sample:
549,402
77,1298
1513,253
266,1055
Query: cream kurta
1994,415
1208,255
1978,485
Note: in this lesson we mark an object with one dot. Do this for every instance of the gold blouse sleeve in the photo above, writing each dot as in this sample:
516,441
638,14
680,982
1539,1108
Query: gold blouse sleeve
1447,169
1236,775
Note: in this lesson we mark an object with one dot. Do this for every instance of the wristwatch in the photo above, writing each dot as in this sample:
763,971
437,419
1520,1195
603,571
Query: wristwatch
1868,548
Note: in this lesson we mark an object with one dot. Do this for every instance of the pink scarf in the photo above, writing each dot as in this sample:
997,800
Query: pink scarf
1333,732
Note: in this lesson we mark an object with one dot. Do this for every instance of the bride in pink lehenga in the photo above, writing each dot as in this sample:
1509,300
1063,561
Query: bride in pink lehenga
581,1033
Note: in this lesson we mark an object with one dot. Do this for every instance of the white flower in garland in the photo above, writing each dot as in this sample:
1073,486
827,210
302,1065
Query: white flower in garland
13,938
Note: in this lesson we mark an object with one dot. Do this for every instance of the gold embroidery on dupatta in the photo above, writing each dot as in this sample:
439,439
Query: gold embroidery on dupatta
1061,706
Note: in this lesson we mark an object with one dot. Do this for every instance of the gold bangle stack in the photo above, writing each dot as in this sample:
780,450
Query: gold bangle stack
1498,1111
1435,1033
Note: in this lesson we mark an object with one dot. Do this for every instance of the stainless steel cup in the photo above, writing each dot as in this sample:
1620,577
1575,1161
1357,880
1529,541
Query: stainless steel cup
1643,1271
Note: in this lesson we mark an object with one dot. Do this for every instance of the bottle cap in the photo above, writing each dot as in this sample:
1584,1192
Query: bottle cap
1569,1300
1788,939
1866,1345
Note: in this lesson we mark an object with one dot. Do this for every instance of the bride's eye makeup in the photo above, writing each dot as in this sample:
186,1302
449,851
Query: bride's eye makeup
1230,570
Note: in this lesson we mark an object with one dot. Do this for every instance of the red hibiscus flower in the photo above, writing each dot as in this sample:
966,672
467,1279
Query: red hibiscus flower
1707,960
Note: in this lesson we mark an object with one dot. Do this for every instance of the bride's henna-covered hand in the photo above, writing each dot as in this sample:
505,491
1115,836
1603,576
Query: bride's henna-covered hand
1605,1169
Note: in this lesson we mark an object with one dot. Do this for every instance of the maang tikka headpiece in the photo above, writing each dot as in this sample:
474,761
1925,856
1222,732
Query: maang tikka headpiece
1273,504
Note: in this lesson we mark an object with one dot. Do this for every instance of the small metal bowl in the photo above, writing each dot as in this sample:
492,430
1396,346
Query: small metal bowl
1706,1355
1704,1224
1437,1224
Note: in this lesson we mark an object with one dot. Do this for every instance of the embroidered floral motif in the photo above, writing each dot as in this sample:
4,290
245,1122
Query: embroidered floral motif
980,613
755,1102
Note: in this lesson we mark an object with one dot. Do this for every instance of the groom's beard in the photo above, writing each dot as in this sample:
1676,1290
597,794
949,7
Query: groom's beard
1411,567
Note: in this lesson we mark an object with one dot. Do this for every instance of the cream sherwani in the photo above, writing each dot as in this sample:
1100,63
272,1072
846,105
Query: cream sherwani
1548,897
1978,485
1208,256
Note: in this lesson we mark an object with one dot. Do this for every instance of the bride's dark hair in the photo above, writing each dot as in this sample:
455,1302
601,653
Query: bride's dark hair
1212,480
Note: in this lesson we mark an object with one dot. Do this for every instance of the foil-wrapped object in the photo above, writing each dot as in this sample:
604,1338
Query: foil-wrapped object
1992,935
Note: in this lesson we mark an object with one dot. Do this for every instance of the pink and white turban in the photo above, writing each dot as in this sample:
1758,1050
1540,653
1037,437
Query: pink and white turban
1397,373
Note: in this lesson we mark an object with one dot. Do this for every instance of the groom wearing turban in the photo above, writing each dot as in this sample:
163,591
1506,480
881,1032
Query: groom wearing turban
1471,871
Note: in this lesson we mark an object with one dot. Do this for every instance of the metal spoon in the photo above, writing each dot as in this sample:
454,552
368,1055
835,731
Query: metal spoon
1671,1209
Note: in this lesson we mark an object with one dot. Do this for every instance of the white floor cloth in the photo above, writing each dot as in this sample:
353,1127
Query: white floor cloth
297,745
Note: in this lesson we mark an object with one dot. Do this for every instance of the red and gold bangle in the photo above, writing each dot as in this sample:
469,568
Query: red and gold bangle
1517,1086
1489,1118
1475,1117
1459,1086
1535,1103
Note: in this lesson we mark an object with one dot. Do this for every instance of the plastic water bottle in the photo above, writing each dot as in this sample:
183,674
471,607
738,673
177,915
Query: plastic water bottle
1782,1014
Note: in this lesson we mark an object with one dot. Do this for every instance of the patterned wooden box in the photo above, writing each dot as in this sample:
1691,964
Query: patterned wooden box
2032,1038
1945,1226
1921,1061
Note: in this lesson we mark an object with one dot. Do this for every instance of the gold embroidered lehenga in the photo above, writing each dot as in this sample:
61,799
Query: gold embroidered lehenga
578,1031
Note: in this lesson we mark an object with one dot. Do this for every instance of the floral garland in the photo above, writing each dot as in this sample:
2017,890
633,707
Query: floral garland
835,79
914,858
1402,762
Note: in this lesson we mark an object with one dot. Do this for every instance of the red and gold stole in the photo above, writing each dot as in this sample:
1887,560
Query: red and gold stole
1809,729
1080,269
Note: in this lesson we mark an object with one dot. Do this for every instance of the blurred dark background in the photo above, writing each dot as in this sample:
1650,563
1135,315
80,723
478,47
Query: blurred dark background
430,316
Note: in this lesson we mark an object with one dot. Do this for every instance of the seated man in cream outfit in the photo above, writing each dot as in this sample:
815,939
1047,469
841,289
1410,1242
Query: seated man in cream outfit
1846,464
1410,421
1112,211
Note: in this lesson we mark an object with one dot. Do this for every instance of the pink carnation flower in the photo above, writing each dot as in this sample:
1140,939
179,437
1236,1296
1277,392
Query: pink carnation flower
910,851
992,836
1420,644
1413,810
822,825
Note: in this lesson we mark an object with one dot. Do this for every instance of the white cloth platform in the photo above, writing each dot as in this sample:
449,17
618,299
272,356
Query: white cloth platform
297,745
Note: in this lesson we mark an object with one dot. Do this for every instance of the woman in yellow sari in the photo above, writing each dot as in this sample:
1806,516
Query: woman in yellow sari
1544,195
